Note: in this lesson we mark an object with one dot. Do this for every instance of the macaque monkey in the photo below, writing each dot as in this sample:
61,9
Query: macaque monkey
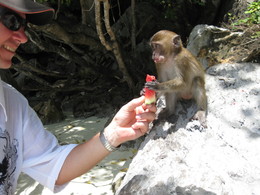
179,73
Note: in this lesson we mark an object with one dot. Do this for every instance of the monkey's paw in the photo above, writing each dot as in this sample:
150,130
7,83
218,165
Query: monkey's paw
142,92
201,117
154,85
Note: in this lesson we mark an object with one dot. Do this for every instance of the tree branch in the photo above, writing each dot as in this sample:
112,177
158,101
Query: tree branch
99,26
114,44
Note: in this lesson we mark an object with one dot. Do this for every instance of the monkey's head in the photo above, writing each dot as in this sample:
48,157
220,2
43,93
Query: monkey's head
165,43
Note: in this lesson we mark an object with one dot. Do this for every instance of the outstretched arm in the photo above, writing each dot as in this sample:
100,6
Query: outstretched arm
130,122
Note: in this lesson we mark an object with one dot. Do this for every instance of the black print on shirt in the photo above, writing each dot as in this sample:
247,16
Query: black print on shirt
8,157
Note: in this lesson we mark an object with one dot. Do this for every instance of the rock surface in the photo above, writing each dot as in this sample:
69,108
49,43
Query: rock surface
214,45
185,159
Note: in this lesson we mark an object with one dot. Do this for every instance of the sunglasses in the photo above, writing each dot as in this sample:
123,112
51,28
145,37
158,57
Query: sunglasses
11,20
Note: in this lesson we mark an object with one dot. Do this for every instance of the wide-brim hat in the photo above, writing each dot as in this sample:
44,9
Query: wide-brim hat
36,13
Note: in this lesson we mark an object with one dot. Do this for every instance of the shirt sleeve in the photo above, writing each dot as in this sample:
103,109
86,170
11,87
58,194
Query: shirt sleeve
43,157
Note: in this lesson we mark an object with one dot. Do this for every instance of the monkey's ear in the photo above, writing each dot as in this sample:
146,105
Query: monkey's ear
176,41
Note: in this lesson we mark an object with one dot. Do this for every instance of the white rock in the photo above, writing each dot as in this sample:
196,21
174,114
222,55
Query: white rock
220,160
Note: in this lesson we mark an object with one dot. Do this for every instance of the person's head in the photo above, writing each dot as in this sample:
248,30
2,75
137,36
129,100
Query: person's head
14,14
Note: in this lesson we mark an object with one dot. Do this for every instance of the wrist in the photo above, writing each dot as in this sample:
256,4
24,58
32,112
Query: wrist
107,143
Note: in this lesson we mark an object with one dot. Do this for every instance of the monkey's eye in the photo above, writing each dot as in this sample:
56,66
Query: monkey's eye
155,46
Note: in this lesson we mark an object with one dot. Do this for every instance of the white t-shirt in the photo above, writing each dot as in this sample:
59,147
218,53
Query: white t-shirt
25,146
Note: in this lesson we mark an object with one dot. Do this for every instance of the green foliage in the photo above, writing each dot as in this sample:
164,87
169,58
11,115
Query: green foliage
64,2
255,35
253,12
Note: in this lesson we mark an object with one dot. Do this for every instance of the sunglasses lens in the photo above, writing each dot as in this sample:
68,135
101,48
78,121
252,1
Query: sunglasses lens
11,21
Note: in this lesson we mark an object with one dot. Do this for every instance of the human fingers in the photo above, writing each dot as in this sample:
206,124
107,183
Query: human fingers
139,110
134,103
141,127
146,116
150,107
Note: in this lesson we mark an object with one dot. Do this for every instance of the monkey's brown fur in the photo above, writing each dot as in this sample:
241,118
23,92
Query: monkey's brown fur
180,75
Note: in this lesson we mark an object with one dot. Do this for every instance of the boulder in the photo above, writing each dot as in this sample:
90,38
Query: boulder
214,45
183,158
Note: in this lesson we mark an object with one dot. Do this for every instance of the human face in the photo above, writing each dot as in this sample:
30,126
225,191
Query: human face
9,42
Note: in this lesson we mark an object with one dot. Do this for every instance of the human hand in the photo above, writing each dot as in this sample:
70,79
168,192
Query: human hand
130,122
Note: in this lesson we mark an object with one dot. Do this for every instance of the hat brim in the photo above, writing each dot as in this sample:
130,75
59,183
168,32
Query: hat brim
35,13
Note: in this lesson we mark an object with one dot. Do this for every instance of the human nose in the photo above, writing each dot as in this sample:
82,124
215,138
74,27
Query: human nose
20,36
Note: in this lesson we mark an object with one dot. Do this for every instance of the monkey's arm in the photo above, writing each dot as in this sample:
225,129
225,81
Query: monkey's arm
175,84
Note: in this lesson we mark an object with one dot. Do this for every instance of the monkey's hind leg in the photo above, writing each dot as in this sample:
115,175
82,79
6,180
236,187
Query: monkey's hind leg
168,113
199,94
